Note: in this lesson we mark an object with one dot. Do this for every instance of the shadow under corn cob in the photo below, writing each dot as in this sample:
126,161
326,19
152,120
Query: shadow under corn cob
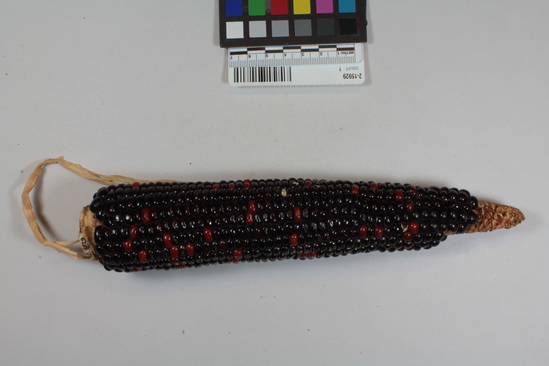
172,225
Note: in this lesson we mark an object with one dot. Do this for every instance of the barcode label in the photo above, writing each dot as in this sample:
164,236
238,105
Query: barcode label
326,64
279,74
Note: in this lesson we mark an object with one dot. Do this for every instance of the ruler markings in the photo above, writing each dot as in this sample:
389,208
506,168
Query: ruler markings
293,55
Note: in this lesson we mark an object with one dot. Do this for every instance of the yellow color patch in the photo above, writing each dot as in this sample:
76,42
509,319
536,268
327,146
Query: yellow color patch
302,6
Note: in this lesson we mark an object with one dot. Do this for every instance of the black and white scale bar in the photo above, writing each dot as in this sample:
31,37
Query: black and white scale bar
294,55
285,49
260,75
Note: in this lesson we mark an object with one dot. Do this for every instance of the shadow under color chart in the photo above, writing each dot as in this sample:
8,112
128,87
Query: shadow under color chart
285,22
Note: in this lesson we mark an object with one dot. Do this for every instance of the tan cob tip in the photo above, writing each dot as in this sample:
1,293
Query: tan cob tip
492,216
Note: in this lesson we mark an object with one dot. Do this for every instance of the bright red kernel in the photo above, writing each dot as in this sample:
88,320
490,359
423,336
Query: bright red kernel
237,254
174,253
379,231
127,245
208,235
302,255
297,214
167,240
143,256
232,186
146,215
294,240
251,206
413,227
355,189
189,248
216,186
374,186
407,236
363,231
247,184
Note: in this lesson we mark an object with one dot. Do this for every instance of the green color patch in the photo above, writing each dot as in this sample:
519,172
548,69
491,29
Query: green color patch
256,7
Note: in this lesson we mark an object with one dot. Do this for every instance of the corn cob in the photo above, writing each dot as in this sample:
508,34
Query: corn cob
134,225
163,225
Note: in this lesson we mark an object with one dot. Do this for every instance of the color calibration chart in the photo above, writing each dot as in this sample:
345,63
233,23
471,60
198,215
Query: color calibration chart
294,42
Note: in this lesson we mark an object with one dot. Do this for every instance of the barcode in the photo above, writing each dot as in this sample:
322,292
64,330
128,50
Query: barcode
273,74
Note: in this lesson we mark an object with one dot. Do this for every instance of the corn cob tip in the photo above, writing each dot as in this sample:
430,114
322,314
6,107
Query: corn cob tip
494,216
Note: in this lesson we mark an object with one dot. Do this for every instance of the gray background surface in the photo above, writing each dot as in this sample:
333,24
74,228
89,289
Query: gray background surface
456,94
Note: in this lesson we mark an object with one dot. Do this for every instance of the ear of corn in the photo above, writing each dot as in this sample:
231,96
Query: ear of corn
173,225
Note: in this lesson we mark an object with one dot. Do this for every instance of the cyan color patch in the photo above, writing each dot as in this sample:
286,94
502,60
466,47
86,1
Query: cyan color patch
347,6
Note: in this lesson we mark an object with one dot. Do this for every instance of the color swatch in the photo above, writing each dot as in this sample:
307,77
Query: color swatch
246,23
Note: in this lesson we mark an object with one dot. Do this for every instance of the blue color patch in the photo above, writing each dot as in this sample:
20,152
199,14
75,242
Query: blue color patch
347,6
233,8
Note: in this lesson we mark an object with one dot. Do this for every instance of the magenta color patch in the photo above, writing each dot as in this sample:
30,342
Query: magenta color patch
324,6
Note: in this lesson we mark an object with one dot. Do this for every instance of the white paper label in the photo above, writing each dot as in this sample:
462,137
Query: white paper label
297,65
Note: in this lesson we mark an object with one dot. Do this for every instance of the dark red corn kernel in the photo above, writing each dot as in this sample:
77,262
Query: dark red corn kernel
252,206
355,189
127,245
399,195
413,227
189,248
222,245
412,190
379,232
297,214
145,215
143,257
237,253
158,227
167,237
174,253
249,218
408,236
208,235
363,231
409,206
294,240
